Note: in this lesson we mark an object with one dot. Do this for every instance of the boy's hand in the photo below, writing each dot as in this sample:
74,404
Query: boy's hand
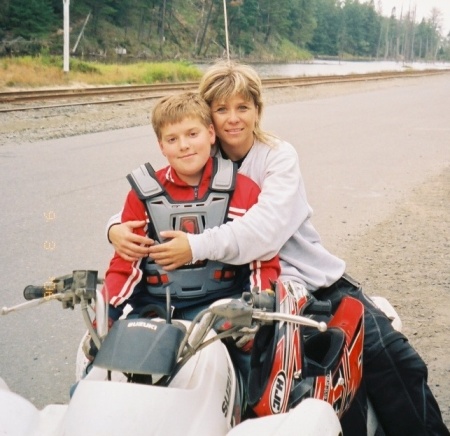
174,253
127,244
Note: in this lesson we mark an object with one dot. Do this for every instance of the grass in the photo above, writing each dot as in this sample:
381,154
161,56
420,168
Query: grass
47,71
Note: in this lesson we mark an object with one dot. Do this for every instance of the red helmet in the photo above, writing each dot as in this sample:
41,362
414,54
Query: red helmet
290,362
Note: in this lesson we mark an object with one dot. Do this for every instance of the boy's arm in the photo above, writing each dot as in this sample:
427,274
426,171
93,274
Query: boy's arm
122,276
262,273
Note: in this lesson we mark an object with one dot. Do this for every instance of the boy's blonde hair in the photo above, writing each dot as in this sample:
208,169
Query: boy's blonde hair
225,79
175,108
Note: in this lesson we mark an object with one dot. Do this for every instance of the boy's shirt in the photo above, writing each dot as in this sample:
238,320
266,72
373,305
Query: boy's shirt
123,276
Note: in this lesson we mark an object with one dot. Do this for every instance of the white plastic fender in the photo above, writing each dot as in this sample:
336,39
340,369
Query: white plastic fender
384,305
311,417
19,417
198,402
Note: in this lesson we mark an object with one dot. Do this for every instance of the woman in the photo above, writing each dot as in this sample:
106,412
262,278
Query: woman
394,374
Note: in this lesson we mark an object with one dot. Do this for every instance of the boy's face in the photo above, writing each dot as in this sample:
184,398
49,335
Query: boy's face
187,147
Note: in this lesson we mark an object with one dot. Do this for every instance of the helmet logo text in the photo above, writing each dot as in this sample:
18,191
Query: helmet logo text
277,393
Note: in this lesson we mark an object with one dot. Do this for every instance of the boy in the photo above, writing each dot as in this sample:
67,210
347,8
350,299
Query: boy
193,193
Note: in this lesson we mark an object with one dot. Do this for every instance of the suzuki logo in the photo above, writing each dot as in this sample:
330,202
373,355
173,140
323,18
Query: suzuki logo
277,393
227,399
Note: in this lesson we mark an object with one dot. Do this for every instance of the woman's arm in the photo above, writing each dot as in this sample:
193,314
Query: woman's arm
281,209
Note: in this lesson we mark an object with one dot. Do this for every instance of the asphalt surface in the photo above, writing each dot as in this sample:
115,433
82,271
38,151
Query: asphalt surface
361,154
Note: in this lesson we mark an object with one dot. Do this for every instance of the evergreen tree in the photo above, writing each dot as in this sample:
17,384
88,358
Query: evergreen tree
302,22
4,16
242,24
167,28
275,18
30,18
324,39
371,22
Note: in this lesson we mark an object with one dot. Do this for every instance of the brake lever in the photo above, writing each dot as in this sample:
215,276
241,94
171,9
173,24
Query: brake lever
297,319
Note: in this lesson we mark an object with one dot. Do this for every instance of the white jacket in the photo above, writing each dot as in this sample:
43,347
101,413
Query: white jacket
278,223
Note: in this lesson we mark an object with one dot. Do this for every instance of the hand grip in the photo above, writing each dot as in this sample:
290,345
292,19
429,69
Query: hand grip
263,300
32,292
319,307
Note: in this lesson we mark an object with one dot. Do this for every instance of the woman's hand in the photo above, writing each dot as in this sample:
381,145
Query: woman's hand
174,253
127,244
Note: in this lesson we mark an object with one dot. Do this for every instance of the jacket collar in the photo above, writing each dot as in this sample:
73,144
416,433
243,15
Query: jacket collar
171,176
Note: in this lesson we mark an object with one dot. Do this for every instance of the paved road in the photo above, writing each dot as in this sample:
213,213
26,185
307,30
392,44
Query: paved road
361,154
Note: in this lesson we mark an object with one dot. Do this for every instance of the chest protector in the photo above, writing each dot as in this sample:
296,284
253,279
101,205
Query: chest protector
203,278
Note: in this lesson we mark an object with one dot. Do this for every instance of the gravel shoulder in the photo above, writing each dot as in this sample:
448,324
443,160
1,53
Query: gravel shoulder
403,258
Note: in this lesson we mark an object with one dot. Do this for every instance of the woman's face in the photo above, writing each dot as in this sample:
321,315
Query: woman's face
234,120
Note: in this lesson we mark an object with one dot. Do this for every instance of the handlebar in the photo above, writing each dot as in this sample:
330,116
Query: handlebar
242,314
266,301
80,287
70,289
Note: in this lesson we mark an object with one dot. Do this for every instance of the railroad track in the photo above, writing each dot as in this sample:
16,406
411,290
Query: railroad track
19,100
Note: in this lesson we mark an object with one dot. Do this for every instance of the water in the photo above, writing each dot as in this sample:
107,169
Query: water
325,68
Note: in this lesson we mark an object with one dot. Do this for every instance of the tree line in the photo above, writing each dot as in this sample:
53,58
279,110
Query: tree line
194,29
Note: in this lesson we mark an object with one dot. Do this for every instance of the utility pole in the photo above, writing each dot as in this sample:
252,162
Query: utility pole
66,35
81,33
226,29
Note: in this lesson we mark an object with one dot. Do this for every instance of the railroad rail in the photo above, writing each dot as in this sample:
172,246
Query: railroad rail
18,100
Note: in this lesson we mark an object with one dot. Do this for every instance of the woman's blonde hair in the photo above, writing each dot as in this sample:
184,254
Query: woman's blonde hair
225,79
175,108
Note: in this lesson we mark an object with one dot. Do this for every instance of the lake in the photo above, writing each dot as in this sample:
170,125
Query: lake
329,67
